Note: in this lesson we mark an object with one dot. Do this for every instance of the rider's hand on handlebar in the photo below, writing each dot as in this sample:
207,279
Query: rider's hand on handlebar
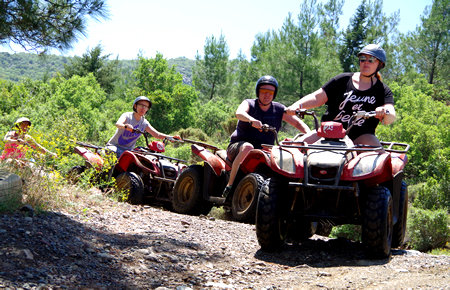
256,124
128,127
381,112
291,110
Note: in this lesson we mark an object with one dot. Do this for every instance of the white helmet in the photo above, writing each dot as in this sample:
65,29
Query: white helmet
142,98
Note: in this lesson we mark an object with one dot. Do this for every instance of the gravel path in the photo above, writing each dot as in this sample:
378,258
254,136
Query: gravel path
117,245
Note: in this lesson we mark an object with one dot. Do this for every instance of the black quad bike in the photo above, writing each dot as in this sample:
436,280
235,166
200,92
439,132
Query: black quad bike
334,182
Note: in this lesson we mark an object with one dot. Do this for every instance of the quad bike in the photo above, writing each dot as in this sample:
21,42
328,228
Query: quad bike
335,182
93,159
200,187
145,173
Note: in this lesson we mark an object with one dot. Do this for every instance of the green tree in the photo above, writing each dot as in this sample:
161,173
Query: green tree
291,54
210,73
173,101
105,71
427,47
38,25
368,25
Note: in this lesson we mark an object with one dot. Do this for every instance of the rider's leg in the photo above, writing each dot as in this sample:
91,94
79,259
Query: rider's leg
244,148
367,139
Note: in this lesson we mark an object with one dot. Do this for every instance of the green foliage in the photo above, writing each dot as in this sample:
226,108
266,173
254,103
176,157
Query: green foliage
38,25
173,102
347,231
368,25
20,66
433,194
106,72
424,124
213,114
210,73
427,48
428,229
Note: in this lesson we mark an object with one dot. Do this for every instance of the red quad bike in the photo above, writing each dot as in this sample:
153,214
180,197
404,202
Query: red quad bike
93,159
200,187
334,182
146,173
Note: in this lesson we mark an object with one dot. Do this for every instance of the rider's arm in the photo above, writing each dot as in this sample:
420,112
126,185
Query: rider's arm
11,137
386,114
313,100
35,145
155,133
296,122
121,123
242,115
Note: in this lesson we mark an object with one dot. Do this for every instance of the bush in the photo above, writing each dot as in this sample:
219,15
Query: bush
351,232
432,195
428,229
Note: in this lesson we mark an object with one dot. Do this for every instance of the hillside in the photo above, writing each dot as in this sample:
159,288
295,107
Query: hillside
19,66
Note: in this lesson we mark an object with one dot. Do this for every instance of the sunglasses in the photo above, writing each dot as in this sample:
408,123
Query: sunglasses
371,59
266,91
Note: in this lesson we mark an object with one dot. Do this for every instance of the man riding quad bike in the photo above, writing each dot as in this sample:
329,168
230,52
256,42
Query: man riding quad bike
336,182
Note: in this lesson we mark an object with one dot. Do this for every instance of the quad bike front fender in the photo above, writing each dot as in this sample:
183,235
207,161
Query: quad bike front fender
287,162
253,160
216,163
94,159
128,159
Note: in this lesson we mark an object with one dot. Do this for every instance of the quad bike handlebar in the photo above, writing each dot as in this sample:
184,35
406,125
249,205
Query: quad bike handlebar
302,112
87,145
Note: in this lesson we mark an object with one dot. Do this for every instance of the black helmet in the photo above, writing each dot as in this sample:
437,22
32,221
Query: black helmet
142,98
266,80
376,51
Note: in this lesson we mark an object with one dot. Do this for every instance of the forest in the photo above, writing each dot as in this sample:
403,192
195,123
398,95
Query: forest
80,98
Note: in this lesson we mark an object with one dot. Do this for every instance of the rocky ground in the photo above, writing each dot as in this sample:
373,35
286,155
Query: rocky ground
117,245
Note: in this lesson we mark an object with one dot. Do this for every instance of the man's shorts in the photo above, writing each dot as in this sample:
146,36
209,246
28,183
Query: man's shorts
233,150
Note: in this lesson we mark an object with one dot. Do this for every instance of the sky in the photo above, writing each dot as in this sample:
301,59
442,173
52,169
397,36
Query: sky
179,28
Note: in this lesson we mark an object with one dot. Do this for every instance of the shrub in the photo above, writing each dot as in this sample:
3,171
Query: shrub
432,195
351,232
427,229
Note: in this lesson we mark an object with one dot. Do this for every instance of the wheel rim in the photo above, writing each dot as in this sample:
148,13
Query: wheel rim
186,189
246,196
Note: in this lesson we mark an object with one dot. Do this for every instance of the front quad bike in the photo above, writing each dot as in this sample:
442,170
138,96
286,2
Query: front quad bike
147,175
334,182
200,187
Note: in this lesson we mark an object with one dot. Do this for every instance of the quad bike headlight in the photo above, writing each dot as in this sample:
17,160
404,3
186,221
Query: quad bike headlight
284,159
366,165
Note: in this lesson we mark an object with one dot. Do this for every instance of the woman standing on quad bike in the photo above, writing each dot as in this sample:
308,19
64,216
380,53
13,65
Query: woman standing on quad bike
126,136
252,114
347,93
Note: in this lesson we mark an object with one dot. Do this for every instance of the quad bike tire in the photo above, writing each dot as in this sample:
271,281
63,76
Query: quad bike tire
187,196
74,174
398,235
132,185
271,223
377,222
10,186
245,197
